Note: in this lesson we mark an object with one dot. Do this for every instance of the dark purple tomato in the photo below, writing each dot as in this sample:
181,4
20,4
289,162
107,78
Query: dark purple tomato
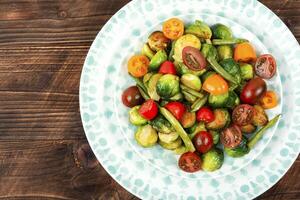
231,137
242,114
265,66
132,97
193,58
253,91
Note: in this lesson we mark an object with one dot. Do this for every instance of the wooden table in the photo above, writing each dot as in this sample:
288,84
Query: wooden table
43,149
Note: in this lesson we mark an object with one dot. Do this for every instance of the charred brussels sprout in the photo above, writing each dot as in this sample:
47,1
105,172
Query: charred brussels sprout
200,29
260,117
168,86
157,41
249,128
222,119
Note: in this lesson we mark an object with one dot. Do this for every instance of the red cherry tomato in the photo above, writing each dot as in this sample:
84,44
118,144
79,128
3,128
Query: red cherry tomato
193,58
231,137
242,114
190,162
265,66
203,141
176,108
149,109
205,114
253,91
167,68
132,97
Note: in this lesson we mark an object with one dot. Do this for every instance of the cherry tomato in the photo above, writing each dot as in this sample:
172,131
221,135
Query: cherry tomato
253,91
205,114
244,52
173,28
193,58
215,85
149,109
132,97
167,68
231,137
176,108
190,162
138,65
265,66
203,141
269,100
242,114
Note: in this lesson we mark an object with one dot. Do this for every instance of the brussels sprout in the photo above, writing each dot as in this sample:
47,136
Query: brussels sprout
200,29
249,128
200,126
222,119
188,119
171,54
180,150
152,87
181,69
212,160
221,31
216,136
238,151
168,137
168,86
135,118
161,124
206,75
232,86
218,101
157,60
184,41
157,41
232,68
173,145
260,117
233,100
146,79
247,72
224,52
208,50
147,51
146,136
191,81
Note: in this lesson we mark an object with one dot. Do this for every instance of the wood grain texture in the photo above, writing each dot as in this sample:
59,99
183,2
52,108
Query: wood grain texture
43,149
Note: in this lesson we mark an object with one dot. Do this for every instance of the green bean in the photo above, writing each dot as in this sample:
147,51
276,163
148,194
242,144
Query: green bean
228,41
143,93
258,135
140,83
208,41
189,97
191,91
198,103
219,69
177,126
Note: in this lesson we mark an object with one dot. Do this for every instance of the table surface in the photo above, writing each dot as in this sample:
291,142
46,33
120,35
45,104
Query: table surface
43,149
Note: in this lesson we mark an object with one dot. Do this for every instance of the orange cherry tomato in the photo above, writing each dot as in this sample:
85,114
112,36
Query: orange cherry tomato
138,65
269,100
215,85
173,28
244,52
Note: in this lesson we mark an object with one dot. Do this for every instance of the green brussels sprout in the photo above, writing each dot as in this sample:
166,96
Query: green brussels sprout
161,124
249,128
200,126
147,51
260,117
146,79
222,119
135,118
188,119
206,75
218,101
171,146
146,136
168,86
180,150
184,41
212,160
152,87
224,52
208,50
233,100
221,31
216,136
158,41
181,69
200,29
168,137
247,71
157,60
232,68
171,54
238,151
192,81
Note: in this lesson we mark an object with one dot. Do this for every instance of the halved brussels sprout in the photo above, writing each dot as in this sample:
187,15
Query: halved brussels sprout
161,124
192,81
200,126
152,87
184,41
168,86
168,137
157,41
200,29
146,79
173,145
147,51
181,69
260,117
222,119
232,68
135,118
212,160
220,31
233,100
188,119
157,60
247,71
180,150
208,50
249,128
218,101
225,51
146,136
238,151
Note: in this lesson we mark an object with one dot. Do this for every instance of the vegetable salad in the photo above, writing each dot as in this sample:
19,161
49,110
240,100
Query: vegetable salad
200,92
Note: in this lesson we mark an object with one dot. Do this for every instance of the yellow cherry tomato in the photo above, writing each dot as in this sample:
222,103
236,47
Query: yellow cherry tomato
269,100
215,85
173,28
244,52
138,65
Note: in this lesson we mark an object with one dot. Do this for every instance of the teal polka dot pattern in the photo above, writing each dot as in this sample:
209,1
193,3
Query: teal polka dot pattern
153,173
